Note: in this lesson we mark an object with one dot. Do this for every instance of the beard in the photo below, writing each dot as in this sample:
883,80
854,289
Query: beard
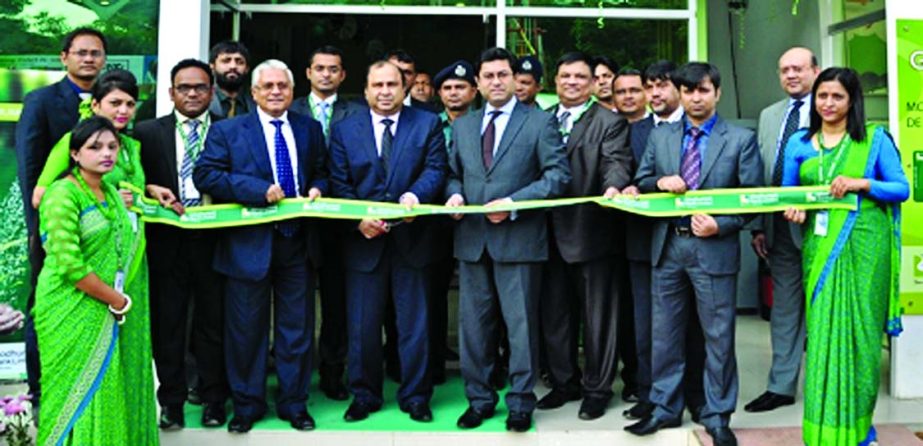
228,84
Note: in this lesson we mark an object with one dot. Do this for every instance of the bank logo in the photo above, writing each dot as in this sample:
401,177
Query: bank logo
918,267
916,60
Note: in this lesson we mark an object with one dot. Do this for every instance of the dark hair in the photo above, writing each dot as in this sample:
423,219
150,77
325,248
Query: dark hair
325,49
228,47
606,62
574,57
628,72
662,70
492,54
401,56
192,63
83,31
855,117
84,131
694,73
117,79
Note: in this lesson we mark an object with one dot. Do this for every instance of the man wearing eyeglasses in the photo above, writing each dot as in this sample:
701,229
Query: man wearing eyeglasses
181,259
47,114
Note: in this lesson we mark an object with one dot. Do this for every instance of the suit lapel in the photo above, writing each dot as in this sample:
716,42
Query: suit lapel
168,133
513,125
716,143
300,131
257,146
675,143
404,126
69,105
770,146
366,134
576,133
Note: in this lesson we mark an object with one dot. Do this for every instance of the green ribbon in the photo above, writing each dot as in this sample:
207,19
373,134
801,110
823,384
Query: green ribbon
713,201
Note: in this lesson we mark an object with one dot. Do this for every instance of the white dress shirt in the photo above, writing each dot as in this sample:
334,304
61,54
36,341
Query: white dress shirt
574,112
269,133
506,110
188,190
378,128
804,117
675,116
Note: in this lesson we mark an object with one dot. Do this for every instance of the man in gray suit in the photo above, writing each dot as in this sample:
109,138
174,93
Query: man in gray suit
779,241
502,153
696,258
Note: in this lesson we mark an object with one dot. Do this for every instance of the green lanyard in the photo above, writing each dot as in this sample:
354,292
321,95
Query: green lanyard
110,213
197,148
840,148
315,108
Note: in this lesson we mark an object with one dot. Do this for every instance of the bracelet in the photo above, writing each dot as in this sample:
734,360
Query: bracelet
124,309
122,320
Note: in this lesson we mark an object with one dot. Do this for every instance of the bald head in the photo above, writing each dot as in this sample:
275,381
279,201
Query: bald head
797,71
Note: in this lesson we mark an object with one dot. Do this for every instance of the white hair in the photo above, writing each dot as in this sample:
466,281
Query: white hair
273,64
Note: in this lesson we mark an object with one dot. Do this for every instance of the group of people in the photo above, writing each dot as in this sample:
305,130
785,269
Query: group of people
535,286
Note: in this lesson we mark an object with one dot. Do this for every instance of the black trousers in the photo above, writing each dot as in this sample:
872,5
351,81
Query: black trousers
188,283
332,343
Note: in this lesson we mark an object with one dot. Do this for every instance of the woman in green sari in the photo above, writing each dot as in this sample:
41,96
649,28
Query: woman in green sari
79,301
851,259
114,96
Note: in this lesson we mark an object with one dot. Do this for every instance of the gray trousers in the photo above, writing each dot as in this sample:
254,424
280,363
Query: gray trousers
489,290
787,324
678,283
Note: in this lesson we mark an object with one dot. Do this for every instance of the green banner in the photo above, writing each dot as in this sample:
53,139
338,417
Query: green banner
910,123
715,201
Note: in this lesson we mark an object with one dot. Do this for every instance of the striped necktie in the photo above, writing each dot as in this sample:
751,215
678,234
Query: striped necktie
691,167
190,156
285,174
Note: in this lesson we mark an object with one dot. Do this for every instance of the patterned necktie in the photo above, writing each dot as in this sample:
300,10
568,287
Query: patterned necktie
563,121
232,110
323,117
285,175
488,138
691,167
190,156
387,139
791,125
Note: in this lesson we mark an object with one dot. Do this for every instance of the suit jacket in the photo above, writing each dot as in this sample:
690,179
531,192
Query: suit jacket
341,109
417,165
530,163
47,114
158,159
639,228
769,130
599,157
234,167
731,160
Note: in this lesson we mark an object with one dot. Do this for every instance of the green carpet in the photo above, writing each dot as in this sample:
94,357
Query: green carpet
448,404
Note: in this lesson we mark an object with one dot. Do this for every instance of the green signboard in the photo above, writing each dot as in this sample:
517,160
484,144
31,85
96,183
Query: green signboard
910,116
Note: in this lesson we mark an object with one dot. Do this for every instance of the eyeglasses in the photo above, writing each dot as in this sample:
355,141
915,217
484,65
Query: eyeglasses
186,88
96,54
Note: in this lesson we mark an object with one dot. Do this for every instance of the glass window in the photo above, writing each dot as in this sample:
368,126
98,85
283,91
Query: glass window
376,2
647,4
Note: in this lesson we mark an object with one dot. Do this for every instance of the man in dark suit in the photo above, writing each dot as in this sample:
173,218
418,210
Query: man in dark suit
391,153
180,259
325,73
230,61
696,258
502,153
581,283
47,114
408,66
257,160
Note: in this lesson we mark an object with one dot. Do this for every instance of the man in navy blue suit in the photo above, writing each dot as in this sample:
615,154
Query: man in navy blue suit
389,153
257,160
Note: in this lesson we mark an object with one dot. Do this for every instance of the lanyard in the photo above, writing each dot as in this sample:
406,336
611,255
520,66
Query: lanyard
840,148
197,148
109,213
315,108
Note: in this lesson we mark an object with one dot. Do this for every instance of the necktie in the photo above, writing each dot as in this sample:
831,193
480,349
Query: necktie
563,121
285,174
190,156
323,117
791,125
386,140
487,139
232,110
691,167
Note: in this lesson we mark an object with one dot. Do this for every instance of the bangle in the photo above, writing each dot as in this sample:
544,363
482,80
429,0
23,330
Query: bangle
121,320
124,309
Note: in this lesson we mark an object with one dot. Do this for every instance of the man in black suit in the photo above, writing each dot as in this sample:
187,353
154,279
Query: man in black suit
180,259
47,114
257,160
580,282
324,104
230,61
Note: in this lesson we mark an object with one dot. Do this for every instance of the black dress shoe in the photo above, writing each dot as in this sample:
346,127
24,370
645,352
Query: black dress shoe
473,418
172,417
593,407
650,425
639,411
722,436
358,411
333,388
419,412
301,421
240,425
558,397
518,421
769,401
213,415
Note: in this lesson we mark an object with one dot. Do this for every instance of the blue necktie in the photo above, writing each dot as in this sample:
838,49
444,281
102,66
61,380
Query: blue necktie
791,125
323,117
285,175
691,167
189,159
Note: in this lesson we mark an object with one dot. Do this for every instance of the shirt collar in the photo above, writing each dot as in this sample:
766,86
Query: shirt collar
706,128
181,118
266,119
675,116
505,109
573,110
316,100
377,118
806,99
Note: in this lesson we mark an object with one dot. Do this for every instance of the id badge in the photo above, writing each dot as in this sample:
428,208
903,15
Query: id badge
119,283
821,223
133,218
189,190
